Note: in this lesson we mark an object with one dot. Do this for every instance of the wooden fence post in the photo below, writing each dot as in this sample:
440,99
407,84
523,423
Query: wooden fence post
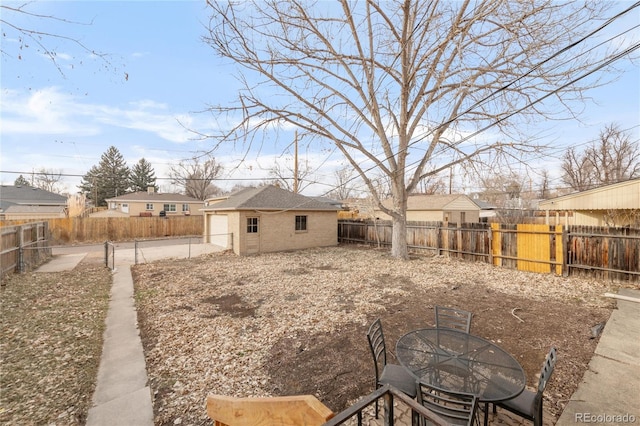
21,266
565,251
490,245
496,244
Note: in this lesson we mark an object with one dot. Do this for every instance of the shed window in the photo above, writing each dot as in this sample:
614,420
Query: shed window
185,207
169,207
149,206
301,223
252,225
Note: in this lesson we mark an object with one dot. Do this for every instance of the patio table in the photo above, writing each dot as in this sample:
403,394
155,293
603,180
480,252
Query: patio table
461,362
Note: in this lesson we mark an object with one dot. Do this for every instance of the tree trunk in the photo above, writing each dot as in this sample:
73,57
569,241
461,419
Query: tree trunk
399,248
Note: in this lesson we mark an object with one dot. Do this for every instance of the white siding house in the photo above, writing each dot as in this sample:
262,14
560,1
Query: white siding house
617,204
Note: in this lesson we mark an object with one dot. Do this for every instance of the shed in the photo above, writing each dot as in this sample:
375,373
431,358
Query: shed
457,208
269,219
617,204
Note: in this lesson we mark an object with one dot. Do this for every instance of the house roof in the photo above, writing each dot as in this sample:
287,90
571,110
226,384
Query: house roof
147,197
29,209
267,198
484,205
26,195
338,204
437,202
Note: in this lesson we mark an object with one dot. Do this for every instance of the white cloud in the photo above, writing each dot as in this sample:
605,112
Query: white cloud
45,111
64,56
49,111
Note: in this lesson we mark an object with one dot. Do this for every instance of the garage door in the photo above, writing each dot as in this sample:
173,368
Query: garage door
218,230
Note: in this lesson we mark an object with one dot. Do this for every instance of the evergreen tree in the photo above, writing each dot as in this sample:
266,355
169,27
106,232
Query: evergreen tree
143,176
21,181
90,185
110,178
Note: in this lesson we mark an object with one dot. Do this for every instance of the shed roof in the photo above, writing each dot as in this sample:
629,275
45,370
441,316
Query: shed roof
149,197
617,196
26,195
267,198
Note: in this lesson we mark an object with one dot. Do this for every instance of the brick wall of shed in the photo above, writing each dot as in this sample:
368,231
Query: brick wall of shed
277,231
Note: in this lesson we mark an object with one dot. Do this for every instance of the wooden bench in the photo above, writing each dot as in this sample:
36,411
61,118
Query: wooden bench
284,411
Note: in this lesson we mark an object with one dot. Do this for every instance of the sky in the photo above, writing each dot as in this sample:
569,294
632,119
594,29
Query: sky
155,77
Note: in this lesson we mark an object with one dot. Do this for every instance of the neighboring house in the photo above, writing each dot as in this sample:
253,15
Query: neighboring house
151,203
487,210
27,203
457,208
617,204
268,219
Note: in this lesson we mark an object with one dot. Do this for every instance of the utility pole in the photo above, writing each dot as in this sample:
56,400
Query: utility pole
295,163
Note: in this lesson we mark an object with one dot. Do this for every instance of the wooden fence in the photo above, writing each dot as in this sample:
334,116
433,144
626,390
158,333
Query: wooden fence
600,252
100,229
23,247
608,253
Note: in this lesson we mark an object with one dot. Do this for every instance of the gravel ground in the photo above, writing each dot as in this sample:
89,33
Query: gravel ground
295,322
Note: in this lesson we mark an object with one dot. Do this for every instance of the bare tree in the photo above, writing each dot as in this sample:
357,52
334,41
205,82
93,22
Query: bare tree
511,192
501,189
344,184
49,180
614,157
22,25
430,185
577,170
284,175
630,218
544,184
395,85
196,176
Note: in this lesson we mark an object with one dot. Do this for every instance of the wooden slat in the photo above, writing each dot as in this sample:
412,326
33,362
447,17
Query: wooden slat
533,244
560,249
275,411
496,244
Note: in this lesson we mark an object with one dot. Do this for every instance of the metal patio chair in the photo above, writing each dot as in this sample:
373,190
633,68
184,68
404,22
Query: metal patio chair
457,408
387,373
529,404
456,319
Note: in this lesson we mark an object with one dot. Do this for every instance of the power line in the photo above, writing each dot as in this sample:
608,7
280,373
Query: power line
157,178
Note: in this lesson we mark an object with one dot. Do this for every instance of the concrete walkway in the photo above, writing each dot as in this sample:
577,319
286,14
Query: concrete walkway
122,396
610,389
608,393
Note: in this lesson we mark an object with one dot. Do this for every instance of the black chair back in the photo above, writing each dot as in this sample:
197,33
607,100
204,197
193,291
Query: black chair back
547,370
457,408
456,319
375,336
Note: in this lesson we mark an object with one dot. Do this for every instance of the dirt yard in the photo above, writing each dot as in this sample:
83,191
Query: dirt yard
295,323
